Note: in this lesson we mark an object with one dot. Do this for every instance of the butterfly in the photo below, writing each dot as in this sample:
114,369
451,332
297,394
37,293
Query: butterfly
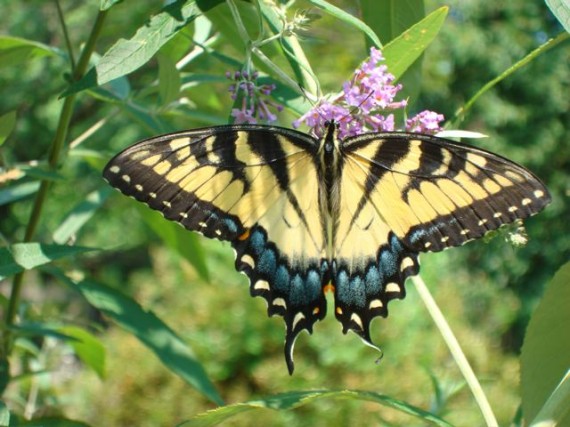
308,216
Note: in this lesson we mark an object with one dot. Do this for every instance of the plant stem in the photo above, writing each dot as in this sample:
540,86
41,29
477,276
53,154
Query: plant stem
460,114
456,351
53,160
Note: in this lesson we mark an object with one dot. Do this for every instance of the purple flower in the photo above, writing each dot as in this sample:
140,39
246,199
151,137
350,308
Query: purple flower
366,104
256,103
425,122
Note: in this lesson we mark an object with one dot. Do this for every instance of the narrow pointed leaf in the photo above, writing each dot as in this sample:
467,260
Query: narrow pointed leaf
293,400
561,9
25,256
174,353
7,123
401,52
80,214
17,192
87,347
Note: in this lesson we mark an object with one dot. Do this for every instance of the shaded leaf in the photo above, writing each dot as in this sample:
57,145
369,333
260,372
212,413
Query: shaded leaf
87,347
184,242
298,399
545,356
173,352
52,422
108,4
4,415
25,256
349,19
80,214
7,123
15,51
168,79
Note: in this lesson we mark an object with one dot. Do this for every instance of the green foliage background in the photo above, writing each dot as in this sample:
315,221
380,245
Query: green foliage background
487,290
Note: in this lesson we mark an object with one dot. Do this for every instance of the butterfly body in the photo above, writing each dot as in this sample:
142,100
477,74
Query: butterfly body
308,216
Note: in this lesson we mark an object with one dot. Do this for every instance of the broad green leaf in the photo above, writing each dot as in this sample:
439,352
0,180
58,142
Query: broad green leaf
25,256
80,214
17,192
561,9
126,56
15,51
293,400
7,123
545,356
168,79
174,353
401,52
556,410
182,241
4,415
87,347
349,19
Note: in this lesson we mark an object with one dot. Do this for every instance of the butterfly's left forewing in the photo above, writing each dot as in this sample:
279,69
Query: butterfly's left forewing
254,186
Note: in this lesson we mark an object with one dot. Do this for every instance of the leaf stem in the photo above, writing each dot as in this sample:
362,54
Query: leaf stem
456,351
53,160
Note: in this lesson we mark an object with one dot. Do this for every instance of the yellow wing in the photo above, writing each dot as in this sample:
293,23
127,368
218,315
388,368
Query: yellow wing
406,193
255,186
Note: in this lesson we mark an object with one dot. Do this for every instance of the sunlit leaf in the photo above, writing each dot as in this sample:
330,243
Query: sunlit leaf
126,56
545,356
293,400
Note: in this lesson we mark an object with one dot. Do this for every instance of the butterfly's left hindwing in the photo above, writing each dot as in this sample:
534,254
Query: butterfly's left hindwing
254,186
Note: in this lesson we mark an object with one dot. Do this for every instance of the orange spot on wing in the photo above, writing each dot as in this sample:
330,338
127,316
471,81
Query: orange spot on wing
244,236
329,287
339,311
316,310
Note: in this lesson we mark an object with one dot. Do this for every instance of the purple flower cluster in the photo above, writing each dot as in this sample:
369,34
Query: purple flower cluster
256,104
366,104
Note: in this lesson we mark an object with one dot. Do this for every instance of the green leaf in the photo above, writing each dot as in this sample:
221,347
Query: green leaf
184,242
126,56
7,123
25,256
4,415
561,9
298,399
80,214
168,79
556,410
15,51
174,353
52,422
39,330
87,347
389,19
108,4
401,52
545,357
349,19
17,192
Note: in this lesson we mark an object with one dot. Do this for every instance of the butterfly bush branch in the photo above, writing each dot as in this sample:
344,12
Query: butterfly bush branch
367,104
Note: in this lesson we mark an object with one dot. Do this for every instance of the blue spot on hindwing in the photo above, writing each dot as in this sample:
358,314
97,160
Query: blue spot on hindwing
267,263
